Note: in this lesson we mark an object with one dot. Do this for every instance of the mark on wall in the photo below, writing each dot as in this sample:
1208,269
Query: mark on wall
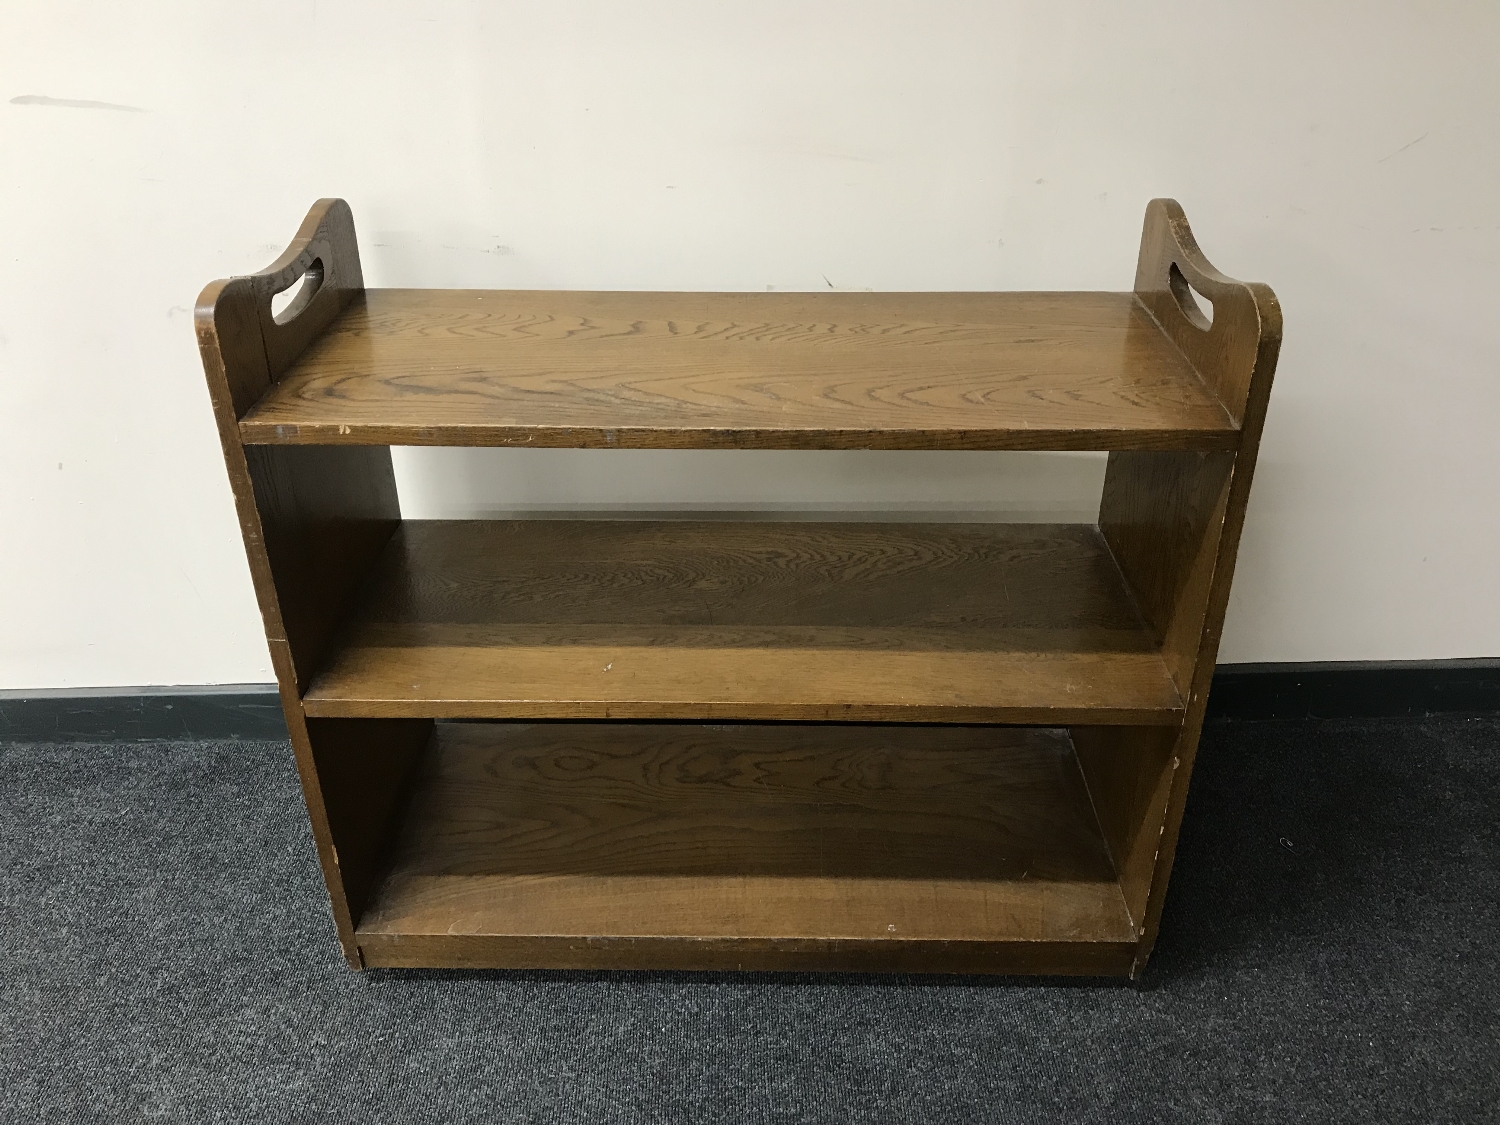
1404,147
74,103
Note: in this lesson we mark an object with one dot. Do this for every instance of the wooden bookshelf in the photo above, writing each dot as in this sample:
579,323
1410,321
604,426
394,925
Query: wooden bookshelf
719,745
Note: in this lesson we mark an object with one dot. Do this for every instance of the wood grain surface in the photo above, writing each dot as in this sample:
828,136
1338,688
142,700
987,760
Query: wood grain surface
365,769
836,846
760,833
743,370
1129,772
1026,623
784,955
1174,522
312,522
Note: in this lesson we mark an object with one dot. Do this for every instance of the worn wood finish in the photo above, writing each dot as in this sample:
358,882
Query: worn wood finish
1173,520
809,955
312,519
744,371
325,515
837,846
693,620
1243,336
551,833
245,345
366,768
1129,773
1161,514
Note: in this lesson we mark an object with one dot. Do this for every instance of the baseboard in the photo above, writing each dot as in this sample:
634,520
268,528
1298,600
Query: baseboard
142,714
1328,690
1355,689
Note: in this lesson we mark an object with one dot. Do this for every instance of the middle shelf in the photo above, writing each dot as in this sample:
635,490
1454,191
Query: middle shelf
700,620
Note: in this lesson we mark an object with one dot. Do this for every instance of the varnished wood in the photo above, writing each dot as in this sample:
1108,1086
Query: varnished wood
245,346
1173,520
1025,623
365,769
811,955
744,371
542,835
1244,335
794,844
312,519
325,514
1161,514
1129,772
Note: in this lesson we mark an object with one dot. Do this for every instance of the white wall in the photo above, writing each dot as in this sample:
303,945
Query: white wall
1345,152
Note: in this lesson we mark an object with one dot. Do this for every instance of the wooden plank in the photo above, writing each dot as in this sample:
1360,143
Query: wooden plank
1025,623
365,769
745,371
1129,771
1161,514
312,521
496,951
1173,522
554,838
325,514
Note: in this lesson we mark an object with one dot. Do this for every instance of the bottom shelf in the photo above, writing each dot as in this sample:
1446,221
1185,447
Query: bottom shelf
875,848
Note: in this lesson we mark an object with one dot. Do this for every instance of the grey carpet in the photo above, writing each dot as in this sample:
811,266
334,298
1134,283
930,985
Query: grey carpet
1329,954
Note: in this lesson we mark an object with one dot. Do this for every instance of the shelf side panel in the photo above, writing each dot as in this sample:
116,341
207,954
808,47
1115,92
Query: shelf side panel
1129,771
1162,515
366,769
324,516
312,521
1173,520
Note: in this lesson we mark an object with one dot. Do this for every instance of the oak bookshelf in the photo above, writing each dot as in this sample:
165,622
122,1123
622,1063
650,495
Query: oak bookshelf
922,747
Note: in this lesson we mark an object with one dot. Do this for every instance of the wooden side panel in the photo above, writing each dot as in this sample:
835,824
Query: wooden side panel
312,522
1161,514
325,258
325,513
1227,351
1173,520
1129,773
365,768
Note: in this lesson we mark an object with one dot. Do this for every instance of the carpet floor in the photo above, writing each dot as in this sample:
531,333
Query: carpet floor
1330,952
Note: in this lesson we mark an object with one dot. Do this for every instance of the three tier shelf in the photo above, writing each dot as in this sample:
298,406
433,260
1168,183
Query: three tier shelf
733,745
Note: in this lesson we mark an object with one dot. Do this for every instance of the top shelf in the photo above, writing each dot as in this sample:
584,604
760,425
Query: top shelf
742,371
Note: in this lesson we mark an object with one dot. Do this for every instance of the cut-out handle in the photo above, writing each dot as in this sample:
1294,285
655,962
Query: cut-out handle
288,302
1188,299
1228,330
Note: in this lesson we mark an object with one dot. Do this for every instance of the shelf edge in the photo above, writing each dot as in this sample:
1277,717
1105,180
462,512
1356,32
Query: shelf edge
326,708
999,958
642,437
